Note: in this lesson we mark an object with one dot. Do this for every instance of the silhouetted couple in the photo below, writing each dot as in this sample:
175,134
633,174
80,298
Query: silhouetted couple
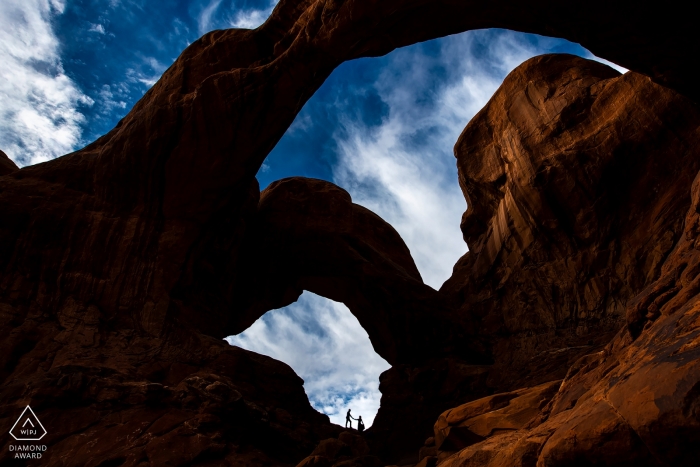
349,418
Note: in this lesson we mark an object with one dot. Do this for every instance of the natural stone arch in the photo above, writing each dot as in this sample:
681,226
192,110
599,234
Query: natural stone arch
175,174
309,235
107,248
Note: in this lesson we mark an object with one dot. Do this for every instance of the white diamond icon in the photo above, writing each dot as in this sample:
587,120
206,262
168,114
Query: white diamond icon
28,427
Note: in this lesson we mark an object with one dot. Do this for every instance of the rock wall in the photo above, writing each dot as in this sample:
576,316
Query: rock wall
636,402
577,180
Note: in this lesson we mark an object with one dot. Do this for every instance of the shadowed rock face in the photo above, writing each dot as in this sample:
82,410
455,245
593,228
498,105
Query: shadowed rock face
161,390
6,164
122,265
308,235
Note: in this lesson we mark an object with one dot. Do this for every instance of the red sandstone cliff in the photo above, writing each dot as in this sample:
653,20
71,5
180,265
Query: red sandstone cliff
581,222
577,180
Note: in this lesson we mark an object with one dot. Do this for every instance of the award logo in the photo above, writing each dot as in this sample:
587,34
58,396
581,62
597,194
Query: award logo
28,427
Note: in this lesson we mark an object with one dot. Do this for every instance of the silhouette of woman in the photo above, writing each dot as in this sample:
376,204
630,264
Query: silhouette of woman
360,424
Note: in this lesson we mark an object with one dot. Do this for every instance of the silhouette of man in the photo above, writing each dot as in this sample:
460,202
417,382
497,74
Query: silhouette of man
348,419
360,424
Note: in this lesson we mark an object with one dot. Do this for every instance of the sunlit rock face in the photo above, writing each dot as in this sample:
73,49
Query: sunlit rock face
577,181
580,226
121,264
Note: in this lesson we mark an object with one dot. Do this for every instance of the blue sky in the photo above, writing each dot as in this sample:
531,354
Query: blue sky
382,128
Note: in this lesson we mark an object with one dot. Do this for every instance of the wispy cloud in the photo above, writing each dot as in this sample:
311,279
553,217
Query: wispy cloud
251,19
39,104
98,28
146,71
325,344
204,20
218,15
404,169
108,101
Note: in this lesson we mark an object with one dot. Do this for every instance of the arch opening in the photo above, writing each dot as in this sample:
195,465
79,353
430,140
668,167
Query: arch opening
390,144
327,347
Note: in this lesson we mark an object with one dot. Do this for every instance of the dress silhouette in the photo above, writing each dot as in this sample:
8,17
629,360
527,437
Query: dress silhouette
360,424
348,419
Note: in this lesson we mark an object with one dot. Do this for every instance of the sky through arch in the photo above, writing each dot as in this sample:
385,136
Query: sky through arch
326,345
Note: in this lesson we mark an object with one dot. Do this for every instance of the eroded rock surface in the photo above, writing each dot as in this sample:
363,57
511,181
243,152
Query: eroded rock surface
475,421
631,402
577,180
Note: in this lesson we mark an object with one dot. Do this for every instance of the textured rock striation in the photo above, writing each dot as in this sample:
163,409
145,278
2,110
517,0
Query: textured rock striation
122,265
475,421
636,402
577,180
561,258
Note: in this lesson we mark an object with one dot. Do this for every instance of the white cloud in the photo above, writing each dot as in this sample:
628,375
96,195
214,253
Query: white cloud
325,344
58,5
98,28
404,170
108,103
147,72
39,116
211,17
205,16
251,19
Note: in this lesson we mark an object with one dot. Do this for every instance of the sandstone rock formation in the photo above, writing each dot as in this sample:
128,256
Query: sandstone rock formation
559,256
6,164
123,264
576,197
577,180
475,421
633,403
308,235
160,394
